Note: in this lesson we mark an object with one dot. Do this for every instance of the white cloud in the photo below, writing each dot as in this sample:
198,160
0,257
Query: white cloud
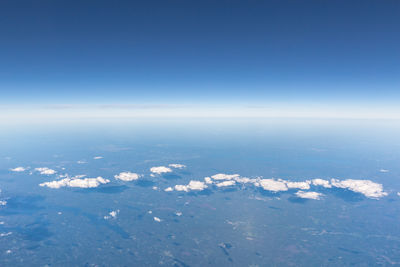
245,180
309,195
57,184
197,185
18,169
178,213
272,185
193,185
76,182
160,169
226,183
398,193
157,219
208,180
177,166
45,171
113,214
300,185
3,202
127,176
222,176
168,189
321,182
5,234
180,187
98,157
81,162
365,187
383,170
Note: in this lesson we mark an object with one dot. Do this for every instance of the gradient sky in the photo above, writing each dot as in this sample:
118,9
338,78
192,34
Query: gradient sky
174,52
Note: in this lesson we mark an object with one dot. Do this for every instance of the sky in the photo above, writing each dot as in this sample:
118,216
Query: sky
277,55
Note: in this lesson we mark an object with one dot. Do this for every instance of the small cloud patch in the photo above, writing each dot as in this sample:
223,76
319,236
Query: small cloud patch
177,166
222,176
127,176
226,183
18,169
208,180
112,215
299,185
309,195
321,182
365,187
193,185
76,182
45,171
160,170
272,185
5,234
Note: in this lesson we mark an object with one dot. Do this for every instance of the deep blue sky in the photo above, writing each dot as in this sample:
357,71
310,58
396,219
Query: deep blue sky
199,51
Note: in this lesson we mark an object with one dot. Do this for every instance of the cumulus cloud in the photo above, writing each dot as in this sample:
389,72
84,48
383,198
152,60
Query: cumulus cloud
365,187
272,185
157,219
193,185
222,176
321,182
299,185
309,195
18,169
127,176
383,170
45,170
177,166
76,182
226,183
160,169
98,157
